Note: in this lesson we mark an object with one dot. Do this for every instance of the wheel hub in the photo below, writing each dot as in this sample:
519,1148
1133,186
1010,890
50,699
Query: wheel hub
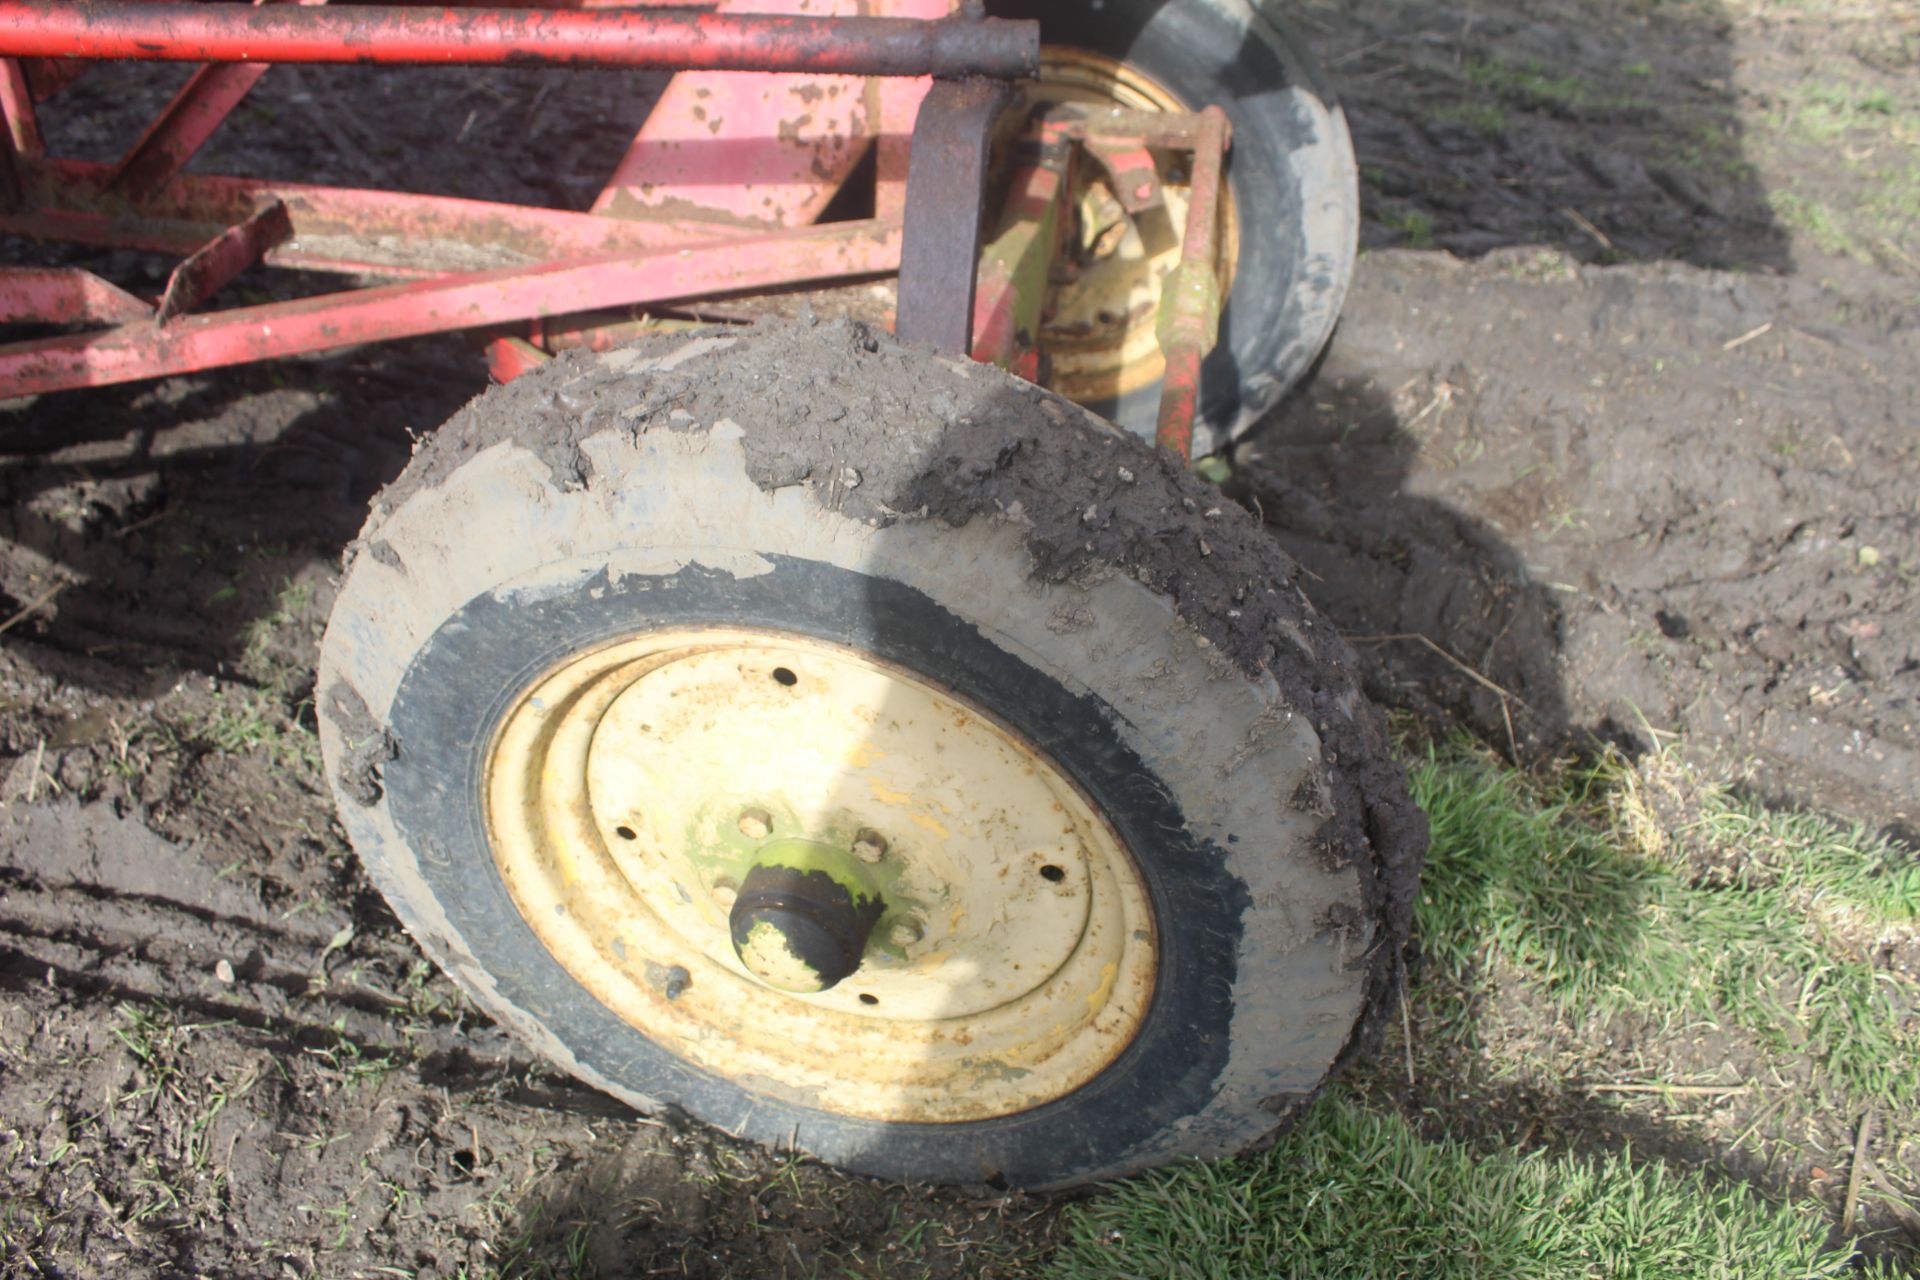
790,862
803,916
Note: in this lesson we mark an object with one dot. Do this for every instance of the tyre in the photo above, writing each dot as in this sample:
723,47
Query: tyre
868,753
1292,222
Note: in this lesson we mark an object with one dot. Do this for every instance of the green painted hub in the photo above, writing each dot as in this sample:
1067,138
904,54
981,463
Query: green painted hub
803,915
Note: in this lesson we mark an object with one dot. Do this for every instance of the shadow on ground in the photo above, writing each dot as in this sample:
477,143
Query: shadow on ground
1609,130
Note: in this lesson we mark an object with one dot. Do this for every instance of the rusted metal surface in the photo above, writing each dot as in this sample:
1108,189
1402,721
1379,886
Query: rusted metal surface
472,264
1135,180
756,150
1015,266
48,76
386,233
13,192
946,182
178,133
66,295
552,4
231,252
508,358
661,40
444,304
1190,306
16,99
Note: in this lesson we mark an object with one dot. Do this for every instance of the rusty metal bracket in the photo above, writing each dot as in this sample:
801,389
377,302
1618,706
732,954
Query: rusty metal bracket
66,295
1016,264
1190,303
946,186
1136,183
16,99
230,253
178,133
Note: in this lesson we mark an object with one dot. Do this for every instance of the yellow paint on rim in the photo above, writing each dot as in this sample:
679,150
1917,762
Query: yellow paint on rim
1099,329
1016,958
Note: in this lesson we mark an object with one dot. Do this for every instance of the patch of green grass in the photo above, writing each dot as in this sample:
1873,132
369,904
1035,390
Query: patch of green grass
256,652
1487,117
1520,878
1532,86
1827,112
1415,228
1803,213
1353,1193
1710,147
244,720
1836,867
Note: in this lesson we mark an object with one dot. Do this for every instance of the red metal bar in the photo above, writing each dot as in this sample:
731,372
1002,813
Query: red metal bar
1190,306
548,4
837,251
383,233
230,253
16,99
657,40
509,358
48,76
66,295
179,132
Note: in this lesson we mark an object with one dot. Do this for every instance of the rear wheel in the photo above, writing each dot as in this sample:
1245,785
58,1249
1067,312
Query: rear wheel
868,753
1291,220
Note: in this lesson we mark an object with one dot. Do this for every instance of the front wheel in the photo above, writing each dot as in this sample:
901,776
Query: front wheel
869,753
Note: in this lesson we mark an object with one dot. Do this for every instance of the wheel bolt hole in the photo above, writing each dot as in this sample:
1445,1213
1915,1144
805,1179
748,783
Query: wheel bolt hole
869,845
626,833
783,676
755,824
1052,874
868,999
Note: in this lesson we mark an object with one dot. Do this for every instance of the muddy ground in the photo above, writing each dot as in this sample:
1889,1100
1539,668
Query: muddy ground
1617,441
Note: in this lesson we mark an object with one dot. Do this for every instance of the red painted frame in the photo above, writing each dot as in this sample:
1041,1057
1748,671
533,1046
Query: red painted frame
551,263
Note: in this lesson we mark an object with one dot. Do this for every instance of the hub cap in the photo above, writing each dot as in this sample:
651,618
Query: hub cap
697,823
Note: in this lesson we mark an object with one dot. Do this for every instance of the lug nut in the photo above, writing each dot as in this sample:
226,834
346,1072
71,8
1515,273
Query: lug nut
869,845
905,932
755,824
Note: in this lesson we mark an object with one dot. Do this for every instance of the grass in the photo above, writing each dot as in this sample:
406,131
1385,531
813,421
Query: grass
1354,1193
1415,228
244,720
1873,212
1548,887
1559,902
1532,86
1825,112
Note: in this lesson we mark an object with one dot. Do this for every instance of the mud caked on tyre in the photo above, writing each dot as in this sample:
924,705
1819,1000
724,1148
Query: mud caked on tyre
867,752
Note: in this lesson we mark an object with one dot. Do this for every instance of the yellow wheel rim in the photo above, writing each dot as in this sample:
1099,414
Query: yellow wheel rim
1099,329
630,790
